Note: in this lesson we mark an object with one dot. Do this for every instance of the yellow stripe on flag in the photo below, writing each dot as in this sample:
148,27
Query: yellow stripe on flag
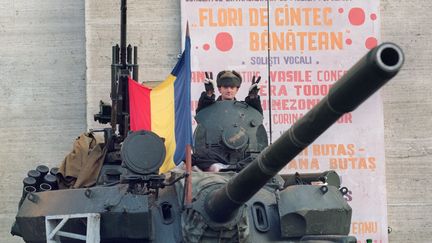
163,118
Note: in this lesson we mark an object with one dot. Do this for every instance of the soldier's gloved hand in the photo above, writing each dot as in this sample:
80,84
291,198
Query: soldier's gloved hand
209,83
216,167
253,89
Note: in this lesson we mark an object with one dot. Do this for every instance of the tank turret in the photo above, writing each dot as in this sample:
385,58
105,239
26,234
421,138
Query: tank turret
230,133
301,212
369,74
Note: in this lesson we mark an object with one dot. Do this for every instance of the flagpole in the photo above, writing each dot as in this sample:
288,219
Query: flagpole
268,71
188,200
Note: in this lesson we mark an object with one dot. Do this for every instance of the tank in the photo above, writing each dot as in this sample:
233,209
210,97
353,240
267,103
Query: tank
248,201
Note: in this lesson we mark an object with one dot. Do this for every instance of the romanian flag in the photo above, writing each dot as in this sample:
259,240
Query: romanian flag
166,109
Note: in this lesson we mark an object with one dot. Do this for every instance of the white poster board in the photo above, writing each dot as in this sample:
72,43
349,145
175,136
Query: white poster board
311,45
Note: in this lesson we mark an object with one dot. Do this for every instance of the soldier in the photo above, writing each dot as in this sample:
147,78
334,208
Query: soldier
228,84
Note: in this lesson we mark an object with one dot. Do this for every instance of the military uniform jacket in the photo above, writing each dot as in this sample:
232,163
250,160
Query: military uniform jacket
205,101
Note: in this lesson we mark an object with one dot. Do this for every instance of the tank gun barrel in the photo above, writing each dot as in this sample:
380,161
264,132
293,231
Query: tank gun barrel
123,26
369,74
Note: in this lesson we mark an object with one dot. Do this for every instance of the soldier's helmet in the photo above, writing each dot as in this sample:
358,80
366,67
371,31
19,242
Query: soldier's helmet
228,78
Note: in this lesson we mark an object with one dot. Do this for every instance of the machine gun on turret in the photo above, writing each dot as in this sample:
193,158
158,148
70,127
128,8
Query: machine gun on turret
117,113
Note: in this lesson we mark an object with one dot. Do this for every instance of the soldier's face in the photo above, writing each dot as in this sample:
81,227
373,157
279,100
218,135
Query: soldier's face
228,93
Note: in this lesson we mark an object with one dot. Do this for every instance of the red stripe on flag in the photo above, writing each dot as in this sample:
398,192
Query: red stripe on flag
140,107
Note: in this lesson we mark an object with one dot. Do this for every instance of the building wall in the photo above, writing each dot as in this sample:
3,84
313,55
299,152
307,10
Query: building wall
407,120
55,67
42,91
